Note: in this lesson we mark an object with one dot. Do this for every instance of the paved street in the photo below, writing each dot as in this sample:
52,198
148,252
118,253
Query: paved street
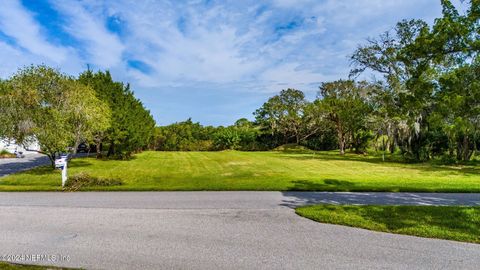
13,165
216,230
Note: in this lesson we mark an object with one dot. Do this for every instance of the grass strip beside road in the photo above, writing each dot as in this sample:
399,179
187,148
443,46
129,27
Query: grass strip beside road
456,223
14,266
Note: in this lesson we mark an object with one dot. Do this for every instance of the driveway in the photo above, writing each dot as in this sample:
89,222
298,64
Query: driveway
215,230
30,161
13,165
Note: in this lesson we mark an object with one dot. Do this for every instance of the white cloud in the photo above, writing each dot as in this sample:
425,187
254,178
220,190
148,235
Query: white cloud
188,43
204,52
104,48
223,48
19,24
291,75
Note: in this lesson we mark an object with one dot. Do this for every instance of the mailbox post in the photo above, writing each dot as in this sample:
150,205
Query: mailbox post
61,164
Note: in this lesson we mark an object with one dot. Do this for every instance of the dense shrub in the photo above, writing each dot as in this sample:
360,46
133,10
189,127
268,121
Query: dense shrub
83,179
5,154
184,136
227,138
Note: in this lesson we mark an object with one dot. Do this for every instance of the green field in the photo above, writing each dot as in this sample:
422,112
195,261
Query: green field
444,222
275,170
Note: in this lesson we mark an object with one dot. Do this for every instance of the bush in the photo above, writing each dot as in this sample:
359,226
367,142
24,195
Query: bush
5,154
291,147
82,179
360,141
323,141
227,138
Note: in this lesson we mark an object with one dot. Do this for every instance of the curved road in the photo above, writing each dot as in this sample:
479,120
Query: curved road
13,165
216,230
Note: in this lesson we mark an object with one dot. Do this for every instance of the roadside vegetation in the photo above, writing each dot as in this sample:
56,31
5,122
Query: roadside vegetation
6,154
239,170
12,266
444,222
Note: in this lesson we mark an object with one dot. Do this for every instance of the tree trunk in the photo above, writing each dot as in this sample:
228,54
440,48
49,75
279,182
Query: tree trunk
392,145
51,156
75,147
459,150
341,143
111,149
98,147
466,148
341,138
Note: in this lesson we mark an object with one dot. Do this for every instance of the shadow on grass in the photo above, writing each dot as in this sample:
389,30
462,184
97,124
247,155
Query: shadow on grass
334,155
396,218
47,169
80,163
42,170
347,186
327,184
433,166
105,158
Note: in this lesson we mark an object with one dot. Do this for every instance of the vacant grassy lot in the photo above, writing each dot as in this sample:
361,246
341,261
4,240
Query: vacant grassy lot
232,170
444,222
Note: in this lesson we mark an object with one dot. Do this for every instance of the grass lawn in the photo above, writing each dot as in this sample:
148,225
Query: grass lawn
275,170
11,266
444,222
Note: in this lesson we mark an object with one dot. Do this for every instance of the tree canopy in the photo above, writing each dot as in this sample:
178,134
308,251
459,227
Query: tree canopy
39,103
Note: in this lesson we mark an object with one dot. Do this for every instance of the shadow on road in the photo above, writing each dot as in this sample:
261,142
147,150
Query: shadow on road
13,165
294,199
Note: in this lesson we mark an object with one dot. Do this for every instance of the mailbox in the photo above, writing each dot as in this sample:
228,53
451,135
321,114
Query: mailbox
61,164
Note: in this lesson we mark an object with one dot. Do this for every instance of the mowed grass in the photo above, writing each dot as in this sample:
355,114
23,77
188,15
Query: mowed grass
11,266
275,170
444,222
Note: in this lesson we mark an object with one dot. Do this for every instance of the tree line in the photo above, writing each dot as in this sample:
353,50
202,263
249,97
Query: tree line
423,100
59,112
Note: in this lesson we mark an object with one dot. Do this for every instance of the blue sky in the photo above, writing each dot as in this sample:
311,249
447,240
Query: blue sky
214,61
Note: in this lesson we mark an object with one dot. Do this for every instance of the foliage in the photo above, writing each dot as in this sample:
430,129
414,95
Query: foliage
190,136
429,85
5,154
38,103
286,117
345,104
227,138
36,99
183,136
87,115
131,125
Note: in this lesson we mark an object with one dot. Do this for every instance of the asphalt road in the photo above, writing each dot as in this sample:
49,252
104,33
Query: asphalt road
215,230
13,165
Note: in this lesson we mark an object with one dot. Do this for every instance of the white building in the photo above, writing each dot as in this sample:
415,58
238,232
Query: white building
12,147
